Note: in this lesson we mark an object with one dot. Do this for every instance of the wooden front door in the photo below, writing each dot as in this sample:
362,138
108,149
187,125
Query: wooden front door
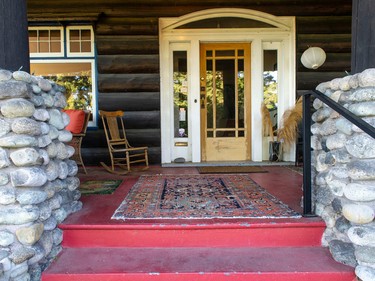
225,101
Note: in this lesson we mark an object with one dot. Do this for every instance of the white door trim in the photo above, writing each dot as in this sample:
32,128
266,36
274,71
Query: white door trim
284,33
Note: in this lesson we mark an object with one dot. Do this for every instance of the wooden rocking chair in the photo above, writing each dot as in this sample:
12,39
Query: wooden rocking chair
121,152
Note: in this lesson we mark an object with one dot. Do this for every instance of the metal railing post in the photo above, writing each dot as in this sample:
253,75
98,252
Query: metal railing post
306,125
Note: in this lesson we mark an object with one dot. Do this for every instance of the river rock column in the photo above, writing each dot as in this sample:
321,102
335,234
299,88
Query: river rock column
38,183
344,162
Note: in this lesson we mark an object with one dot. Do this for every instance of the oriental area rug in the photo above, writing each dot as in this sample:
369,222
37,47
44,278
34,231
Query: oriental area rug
200,197
99,186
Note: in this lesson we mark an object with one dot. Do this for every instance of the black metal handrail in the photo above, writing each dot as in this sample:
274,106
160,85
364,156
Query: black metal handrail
306,123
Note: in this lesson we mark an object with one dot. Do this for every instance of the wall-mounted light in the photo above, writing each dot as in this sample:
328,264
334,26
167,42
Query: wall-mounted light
313,57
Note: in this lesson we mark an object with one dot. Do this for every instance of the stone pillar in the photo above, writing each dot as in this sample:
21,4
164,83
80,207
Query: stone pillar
344,167
38,187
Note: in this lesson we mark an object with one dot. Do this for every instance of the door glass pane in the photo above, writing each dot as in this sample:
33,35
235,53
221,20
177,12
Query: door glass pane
180,94
209,93
225,53
225,94
270,94
241,93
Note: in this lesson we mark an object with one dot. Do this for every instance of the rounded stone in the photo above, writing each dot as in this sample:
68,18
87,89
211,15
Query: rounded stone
46,241
362,169
17,141
26,126
45,85
361,146
52,150
365,254
60,215
4,160
44,155
335,84
367,78
360,214
65,136
21,254
362,235
363,109
322,87
45,128
25,157
30,196
337,186
344,84
39,255
45,211
41,114
321,114
336,96
336,141
343,252
17,108
363,94
339,155
63,170
14,89
60,100
48,100
44,141
32,176
7,195
344,126
52,170
5,75
342,225
328,127
38,101
66,118
353,82
361,192
73,183
36,89
4,178
50,223
6,238
62,152
317,103
30,235
4,127
365,273
57,235
53,132
56,119
16,215
22,76
72,167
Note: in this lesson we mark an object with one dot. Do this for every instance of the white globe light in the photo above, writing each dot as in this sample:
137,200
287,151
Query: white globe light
313,57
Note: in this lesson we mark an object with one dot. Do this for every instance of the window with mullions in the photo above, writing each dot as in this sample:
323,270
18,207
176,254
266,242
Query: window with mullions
46,41
73,69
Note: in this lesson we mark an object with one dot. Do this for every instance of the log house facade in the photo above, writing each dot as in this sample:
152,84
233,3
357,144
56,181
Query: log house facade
129,53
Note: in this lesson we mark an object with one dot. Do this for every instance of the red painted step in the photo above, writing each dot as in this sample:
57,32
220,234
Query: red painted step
255,234
197,264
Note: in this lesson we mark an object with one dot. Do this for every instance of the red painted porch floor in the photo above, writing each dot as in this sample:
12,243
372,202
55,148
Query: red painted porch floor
98,248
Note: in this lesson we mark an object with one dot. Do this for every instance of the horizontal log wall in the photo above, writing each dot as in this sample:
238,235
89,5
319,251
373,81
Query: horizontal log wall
128,52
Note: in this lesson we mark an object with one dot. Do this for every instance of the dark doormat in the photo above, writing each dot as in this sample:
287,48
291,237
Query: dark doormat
230,169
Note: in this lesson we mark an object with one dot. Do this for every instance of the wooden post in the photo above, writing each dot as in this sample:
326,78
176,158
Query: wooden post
363,35
14,38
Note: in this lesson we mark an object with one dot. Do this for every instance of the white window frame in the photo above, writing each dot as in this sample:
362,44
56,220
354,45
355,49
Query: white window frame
49,54
79,54
282,32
